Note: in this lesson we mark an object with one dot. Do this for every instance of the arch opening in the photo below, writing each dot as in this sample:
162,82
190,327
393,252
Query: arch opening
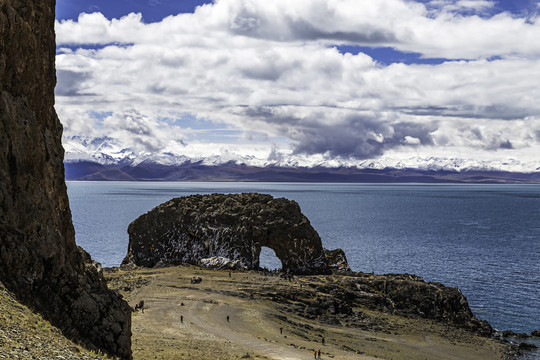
268,259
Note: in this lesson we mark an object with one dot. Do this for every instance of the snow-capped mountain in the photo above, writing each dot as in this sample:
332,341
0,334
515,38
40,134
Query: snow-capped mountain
107,154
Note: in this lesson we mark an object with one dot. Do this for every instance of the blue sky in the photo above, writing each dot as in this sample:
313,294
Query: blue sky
153,10
310,82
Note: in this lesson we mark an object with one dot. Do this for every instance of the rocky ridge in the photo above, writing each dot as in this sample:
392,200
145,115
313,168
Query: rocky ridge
235,226
40,262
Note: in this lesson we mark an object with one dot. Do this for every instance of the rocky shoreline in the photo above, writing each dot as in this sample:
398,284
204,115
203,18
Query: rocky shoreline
521,345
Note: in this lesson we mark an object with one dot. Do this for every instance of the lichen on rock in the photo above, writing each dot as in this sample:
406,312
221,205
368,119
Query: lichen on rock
234,226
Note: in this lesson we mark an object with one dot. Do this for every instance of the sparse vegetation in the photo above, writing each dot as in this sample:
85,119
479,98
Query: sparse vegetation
26,335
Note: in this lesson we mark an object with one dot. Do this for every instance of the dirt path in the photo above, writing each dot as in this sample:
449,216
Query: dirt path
245,327
249,327
253,329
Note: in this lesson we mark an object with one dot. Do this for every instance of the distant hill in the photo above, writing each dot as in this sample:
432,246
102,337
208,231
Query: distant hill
197,171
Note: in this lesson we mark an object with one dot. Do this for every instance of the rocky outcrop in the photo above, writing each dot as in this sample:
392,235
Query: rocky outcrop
411,295
39,260
338,299
187,229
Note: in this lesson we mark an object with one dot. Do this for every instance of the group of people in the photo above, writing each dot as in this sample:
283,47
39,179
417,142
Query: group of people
316,353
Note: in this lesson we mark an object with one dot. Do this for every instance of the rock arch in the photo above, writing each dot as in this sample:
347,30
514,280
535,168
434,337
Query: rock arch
234,226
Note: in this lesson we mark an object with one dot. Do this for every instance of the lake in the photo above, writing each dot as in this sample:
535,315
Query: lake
484,239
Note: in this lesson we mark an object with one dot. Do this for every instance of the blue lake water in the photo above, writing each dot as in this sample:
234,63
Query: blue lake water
484,239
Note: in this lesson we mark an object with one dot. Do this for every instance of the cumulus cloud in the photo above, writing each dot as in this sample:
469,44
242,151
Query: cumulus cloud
272,69
439,30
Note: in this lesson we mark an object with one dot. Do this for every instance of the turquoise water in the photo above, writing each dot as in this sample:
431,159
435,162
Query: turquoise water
484,239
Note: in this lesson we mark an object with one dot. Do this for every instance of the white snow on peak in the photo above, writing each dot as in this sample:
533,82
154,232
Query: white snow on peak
107,151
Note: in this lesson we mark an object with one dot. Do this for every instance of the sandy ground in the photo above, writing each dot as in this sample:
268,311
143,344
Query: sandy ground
189,321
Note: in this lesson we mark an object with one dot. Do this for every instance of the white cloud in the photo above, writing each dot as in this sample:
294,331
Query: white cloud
270,68
406,25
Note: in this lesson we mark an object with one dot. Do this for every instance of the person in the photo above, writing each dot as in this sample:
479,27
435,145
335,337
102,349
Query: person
227,318
322,340
315,354
319,353
281,330
229,274
182,319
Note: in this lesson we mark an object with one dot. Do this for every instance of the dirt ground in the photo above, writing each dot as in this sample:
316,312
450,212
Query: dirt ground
226,317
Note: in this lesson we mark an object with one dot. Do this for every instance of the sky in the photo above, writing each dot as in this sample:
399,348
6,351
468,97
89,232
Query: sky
301,83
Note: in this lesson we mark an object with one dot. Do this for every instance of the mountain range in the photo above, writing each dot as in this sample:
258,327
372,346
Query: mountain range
232,171
102,159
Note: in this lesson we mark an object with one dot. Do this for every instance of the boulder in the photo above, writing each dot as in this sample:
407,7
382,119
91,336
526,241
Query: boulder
513,334
527,346
337,260
235,226
39,260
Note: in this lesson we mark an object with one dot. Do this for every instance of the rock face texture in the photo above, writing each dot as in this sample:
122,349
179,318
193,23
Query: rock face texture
39,260
187,229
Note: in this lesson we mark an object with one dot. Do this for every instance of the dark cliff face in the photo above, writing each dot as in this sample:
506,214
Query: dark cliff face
188,229
39,260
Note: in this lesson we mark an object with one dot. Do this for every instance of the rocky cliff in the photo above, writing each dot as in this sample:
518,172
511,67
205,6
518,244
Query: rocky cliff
188,229
39,260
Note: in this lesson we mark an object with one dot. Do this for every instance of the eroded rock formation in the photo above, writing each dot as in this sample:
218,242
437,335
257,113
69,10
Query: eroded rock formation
39,260
187,229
